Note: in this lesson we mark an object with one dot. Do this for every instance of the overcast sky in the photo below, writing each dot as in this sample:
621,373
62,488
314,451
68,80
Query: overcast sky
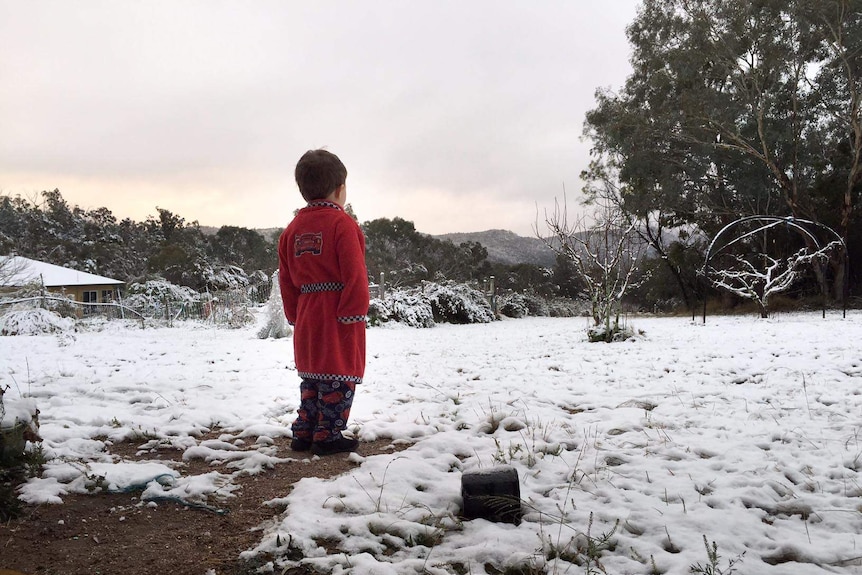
458,115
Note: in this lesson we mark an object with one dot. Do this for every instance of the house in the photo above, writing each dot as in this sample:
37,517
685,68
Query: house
16,271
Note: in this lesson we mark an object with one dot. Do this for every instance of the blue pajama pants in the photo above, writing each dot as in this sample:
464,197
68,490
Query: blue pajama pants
324,408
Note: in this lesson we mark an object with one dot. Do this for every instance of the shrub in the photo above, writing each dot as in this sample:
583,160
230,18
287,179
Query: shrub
458,303
33,322
563,307
226,278
433,302
605,334
19,425
513,305
518,305
401,306
149,298
60,303
536,305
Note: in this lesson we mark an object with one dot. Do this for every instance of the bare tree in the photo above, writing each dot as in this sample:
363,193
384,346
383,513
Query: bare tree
605,252
759,277
756,257
11,270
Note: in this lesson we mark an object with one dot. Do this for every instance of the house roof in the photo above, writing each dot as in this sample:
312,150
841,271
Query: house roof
25,270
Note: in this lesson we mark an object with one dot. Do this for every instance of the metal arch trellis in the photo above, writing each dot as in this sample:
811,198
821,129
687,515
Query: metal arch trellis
801,226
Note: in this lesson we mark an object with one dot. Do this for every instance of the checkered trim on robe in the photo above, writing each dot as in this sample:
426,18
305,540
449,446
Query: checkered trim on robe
324,204
329,377
321,287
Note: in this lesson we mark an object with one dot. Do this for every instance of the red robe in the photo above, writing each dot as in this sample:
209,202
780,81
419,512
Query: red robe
324,288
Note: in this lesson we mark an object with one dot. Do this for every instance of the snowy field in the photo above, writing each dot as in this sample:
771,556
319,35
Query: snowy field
746,431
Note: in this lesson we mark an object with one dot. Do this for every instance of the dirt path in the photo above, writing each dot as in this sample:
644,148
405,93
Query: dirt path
115,534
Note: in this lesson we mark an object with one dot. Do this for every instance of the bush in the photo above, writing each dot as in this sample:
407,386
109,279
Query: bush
60,303
411,309
563,307
458,303
226,278
19,425
33,322
513,305
149,298
615,333
536,305
433,302
518,305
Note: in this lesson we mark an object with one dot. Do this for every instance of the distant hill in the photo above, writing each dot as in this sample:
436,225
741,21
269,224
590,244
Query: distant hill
507,247
503,246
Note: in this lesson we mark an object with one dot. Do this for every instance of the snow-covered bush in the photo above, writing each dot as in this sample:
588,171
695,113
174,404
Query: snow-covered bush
564,307
518,305
226,278
618,332
458,303
412,309
275,324
19,431
513,305
150,298
60,303
537,306
33,322
21,292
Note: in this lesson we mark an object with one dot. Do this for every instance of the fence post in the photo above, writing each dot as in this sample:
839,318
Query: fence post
381,287
120,301
493,295
42,281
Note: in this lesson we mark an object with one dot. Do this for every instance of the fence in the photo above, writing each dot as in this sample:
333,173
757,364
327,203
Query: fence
224,307
228,307
68,307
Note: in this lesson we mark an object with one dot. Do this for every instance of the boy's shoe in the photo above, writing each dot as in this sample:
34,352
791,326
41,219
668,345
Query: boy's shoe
299,444
340,445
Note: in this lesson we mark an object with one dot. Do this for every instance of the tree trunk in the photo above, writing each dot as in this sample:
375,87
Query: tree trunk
838,265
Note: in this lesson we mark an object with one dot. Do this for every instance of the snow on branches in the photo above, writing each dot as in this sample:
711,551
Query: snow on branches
757,257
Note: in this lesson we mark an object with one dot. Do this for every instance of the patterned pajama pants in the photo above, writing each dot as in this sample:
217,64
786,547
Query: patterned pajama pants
323,409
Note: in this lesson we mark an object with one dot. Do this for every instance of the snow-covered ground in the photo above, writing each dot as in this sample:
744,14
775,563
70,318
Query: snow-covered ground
745,431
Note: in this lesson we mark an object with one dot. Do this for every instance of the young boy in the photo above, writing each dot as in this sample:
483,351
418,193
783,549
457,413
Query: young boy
324,287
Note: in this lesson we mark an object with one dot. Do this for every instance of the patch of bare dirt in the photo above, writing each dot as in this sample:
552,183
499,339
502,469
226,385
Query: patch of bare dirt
111,533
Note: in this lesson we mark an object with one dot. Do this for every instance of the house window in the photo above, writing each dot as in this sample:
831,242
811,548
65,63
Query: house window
90,297
107,296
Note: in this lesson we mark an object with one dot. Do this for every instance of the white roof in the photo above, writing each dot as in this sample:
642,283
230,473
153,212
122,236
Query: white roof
24,271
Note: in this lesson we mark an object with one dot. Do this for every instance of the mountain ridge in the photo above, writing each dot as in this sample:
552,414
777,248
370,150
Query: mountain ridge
506,247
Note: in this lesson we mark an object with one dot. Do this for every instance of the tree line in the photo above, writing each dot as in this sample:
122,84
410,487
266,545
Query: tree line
167,246
734,109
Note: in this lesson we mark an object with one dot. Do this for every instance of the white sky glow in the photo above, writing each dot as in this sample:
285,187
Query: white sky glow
456,116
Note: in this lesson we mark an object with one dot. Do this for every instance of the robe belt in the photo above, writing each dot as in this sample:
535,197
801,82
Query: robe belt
321,287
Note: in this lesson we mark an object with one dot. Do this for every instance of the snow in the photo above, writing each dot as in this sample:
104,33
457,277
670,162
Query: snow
33,322
742,430
26,271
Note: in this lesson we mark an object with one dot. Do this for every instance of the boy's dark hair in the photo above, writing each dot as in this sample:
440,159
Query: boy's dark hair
318,174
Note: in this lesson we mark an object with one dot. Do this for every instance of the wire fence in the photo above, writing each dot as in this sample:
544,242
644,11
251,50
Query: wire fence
71,308
227,307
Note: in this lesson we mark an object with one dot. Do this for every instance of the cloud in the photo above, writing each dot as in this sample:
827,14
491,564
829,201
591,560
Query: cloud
207,105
